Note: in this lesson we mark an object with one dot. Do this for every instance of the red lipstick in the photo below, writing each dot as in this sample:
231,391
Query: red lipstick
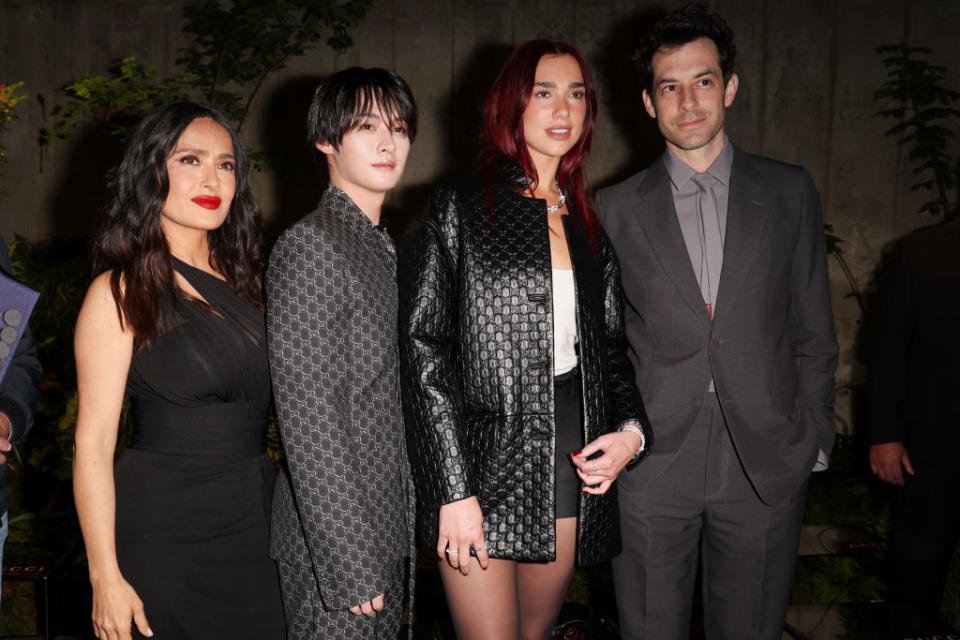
207,202
384,165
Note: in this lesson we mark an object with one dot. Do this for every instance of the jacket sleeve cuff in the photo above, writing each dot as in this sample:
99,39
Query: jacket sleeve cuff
15,414
641,430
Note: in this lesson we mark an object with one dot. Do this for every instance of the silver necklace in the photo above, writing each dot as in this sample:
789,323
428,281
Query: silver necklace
551,208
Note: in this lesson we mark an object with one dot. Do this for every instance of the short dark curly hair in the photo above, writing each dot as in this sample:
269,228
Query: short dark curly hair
682,26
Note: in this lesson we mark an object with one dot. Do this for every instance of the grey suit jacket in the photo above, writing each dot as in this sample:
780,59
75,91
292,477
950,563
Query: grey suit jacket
770,346
344,505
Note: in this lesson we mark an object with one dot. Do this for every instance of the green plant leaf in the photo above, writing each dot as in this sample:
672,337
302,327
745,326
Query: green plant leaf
922,107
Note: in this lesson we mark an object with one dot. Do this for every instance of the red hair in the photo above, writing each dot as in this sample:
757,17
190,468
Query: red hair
502,130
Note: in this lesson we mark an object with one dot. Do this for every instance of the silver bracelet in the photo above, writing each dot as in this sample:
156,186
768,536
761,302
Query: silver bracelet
635,428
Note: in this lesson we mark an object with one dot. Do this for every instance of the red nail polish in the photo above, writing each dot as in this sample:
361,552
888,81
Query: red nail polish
578,452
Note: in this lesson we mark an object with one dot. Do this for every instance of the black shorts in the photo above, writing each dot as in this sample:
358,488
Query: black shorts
568,417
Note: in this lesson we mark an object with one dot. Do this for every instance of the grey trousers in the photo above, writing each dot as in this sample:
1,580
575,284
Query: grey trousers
701,507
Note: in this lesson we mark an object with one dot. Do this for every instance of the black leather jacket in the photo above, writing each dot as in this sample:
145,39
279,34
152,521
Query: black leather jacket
476,346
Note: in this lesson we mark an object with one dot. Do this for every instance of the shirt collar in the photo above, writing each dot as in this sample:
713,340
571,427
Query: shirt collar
680,172
344,203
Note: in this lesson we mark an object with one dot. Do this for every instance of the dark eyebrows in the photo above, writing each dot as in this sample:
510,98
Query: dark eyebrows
202,152
705,72
553,85
360,117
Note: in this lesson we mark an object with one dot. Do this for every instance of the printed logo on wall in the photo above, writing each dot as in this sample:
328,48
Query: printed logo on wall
16,304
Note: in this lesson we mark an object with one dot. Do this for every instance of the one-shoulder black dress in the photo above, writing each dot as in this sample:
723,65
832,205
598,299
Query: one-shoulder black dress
194,486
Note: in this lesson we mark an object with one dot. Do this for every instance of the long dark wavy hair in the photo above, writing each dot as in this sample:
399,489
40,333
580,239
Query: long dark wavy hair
131,244
502,138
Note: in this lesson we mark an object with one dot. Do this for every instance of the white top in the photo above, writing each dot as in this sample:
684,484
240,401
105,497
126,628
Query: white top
564,321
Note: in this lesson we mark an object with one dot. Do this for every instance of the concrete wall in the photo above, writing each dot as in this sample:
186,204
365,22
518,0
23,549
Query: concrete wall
808,73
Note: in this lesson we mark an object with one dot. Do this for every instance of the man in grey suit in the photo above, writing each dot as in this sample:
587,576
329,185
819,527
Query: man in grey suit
730,329
342,528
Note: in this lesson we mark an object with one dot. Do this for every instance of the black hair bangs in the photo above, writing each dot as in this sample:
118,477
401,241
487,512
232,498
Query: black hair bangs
394,107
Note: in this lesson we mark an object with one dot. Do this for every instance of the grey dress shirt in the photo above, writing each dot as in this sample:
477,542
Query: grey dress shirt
703,235
700,200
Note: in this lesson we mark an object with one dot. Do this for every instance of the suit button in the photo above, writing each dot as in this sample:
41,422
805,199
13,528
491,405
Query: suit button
12,317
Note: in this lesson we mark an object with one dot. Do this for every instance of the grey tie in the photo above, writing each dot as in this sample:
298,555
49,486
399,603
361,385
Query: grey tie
711,240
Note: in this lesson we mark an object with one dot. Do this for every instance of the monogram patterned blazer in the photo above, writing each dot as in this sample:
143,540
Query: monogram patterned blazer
476,333
344,502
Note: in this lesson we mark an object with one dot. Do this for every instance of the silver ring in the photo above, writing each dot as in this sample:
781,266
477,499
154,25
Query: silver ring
594,465
451,552
482,547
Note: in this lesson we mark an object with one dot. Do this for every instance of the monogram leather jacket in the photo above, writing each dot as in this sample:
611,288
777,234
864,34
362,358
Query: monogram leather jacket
476,346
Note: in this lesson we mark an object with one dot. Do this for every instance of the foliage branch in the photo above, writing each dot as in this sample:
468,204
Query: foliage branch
834,249
922,105
234,50
112,104
241,46
8,102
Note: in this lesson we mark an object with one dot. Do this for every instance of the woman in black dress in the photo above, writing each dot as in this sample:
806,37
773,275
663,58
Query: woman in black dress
516,383
177,534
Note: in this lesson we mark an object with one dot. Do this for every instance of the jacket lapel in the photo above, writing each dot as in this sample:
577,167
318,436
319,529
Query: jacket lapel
747,210
657,217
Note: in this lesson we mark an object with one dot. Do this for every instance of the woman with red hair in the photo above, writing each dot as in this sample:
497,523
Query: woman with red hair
514,369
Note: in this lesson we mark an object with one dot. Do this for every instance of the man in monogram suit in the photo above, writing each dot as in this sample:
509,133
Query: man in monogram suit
342,525
730,329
